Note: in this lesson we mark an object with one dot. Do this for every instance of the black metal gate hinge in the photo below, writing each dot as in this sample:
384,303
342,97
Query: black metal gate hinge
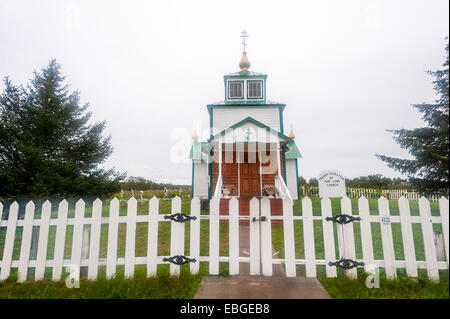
180,260
180,217
343,219
346,263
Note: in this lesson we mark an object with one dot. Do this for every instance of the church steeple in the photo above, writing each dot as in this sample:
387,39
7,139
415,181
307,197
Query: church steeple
245,63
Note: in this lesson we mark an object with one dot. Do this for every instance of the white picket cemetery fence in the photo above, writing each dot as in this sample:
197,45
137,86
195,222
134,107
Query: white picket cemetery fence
373,193
260,257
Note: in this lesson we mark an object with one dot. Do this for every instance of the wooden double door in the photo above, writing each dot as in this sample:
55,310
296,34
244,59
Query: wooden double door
250,183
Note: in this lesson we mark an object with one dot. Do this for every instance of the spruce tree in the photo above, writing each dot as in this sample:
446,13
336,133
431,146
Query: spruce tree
428,171
48,147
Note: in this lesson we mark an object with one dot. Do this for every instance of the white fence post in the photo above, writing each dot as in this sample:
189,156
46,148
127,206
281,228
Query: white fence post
348,237
407,237
111,258
214,236
289,242
254,238
386,238
234,236
366,231
77,233
266,238
61,225
443,211
328,237
152,237
130,244
26,242
176,236
428,239
94,245
9,241
43,240
194,249
308,235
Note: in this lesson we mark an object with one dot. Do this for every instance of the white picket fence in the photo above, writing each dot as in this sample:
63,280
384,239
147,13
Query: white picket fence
373,193
260,257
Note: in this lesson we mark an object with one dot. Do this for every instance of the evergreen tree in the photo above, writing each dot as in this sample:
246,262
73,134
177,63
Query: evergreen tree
429,170
47,145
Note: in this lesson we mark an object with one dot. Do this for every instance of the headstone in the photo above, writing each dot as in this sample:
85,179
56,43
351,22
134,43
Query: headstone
331,184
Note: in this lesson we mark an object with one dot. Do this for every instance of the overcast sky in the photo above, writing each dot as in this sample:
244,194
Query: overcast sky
347,70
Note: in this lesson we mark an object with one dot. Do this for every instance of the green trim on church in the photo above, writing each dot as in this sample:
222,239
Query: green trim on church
250,119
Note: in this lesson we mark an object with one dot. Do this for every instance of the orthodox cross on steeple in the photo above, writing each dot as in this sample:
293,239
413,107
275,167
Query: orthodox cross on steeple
243,36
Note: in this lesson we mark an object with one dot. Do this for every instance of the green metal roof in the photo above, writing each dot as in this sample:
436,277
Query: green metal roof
196,150
247,103
245,74
292,151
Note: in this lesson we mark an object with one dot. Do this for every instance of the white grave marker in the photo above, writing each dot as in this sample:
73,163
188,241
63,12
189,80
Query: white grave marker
331,184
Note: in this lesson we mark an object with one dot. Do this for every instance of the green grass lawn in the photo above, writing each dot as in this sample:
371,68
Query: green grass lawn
139,287
401,288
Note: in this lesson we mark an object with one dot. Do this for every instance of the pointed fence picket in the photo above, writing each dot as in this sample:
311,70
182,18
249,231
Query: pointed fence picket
152,238
78,233
428,239
234,237
366,230
348,237
94,245
26,242
386,237
194,248
61,225
289,241
266,238
43,240
113,228
176,237
407,237
254,238
328,238
261,259
214,237
130,244
308,235
443,210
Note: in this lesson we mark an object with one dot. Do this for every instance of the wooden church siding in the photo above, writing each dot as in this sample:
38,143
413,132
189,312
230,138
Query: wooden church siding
229,173
225,117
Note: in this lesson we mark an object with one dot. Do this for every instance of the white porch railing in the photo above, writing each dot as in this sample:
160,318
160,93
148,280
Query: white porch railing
282,188
218,190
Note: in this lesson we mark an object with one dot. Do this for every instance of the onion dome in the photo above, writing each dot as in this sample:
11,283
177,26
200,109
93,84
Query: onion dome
291,134
195,135
245,63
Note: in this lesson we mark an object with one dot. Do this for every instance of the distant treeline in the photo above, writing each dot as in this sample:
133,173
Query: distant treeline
140,183
376,181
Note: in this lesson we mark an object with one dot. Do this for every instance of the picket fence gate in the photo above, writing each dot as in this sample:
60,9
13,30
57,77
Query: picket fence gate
260,257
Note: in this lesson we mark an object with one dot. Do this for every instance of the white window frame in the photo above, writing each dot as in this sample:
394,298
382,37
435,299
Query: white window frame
230,83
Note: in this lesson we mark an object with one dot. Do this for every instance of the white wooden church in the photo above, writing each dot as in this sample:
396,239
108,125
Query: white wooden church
247,153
